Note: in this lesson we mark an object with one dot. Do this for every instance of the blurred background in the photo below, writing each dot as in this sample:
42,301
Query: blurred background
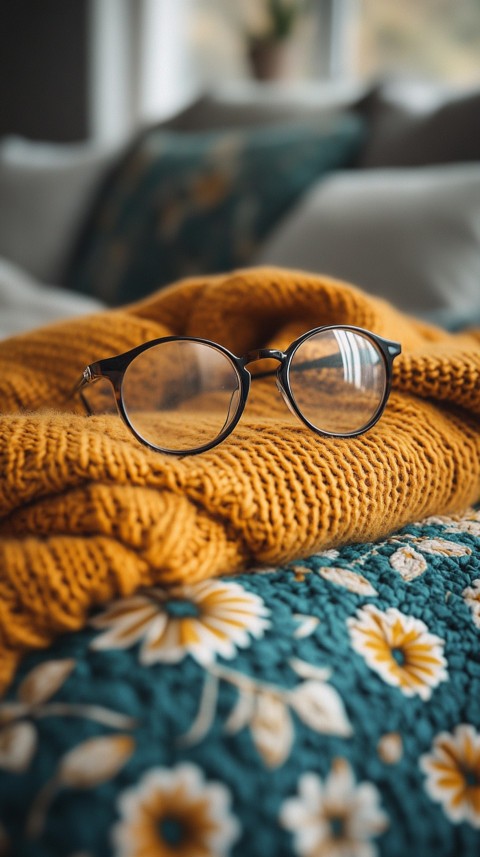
142,141
77,69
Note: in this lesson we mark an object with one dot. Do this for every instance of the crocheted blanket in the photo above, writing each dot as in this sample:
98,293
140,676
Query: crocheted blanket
333,714
88,514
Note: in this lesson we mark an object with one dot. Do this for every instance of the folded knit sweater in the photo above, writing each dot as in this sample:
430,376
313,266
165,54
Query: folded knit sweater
87,513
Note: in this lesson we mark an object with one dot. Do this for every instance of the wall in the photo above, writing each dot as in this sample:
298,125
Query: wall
43,69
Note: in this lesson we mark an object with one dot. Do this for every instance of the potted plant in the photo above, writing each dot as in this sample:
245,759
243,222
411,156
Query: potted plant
268,46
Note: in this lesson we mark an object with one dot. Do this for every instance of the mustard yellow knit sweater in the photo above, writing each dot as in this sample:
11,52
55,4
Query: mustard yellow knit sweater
87,513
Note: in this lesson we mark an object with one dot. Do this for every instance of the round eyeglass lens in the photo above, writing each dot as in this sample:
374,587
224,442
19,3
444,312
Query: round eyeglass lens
338,380
181,395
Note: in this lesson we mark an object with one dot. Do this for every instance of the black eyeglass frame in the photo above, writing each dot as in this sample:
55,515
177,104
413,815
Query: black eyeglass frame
114,368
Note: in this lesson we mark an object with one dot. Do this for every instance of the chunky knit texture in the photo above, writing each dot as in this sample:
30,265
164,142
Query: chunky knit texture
87,513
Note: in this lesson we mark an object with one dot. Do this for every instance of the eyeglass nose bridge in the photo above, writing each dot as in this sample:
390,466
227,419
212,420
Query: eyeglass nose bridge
263,354
272,354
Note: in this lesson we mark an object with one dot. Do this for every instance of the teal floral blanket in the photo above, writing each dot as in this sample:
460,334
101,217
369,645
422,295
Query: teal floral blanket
328,708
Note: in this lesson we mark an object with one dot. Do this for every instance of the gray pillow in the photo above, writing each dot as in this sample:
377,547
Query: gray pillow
45,190
230,107
411,236
417,124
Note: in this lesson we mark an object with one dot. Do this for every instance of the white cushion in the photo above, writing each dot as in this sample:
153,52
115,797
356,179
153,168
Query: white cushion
44,193
409,235
25,303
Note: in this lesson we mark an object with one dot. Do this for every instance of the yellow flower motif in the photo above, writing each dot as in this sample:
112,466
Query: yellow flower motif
400,649
203,620
453,774
175,813
335,817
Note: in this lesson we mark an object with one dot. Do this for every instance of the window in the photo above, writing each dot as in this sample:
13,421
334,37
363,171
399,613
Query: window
149,57
437,39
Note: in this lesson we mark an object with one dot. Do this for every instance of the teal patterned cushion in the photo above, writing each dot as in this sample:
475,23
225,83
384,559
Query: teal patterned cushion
328,707
190,203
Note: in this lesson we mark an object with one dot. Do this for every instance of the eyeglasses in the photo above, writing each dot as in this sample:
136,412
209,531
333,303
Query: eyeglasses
183,395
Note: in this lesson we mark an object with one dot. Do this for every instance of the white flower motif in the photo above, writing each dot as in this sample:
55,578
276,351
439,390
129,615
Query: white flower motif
408,562
320,707
390,748
175,811
468,522
400,649
272,728
453,774
331,553
18,742
472,597
334,817
306,625
411,564
202,619
351,580
442,547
